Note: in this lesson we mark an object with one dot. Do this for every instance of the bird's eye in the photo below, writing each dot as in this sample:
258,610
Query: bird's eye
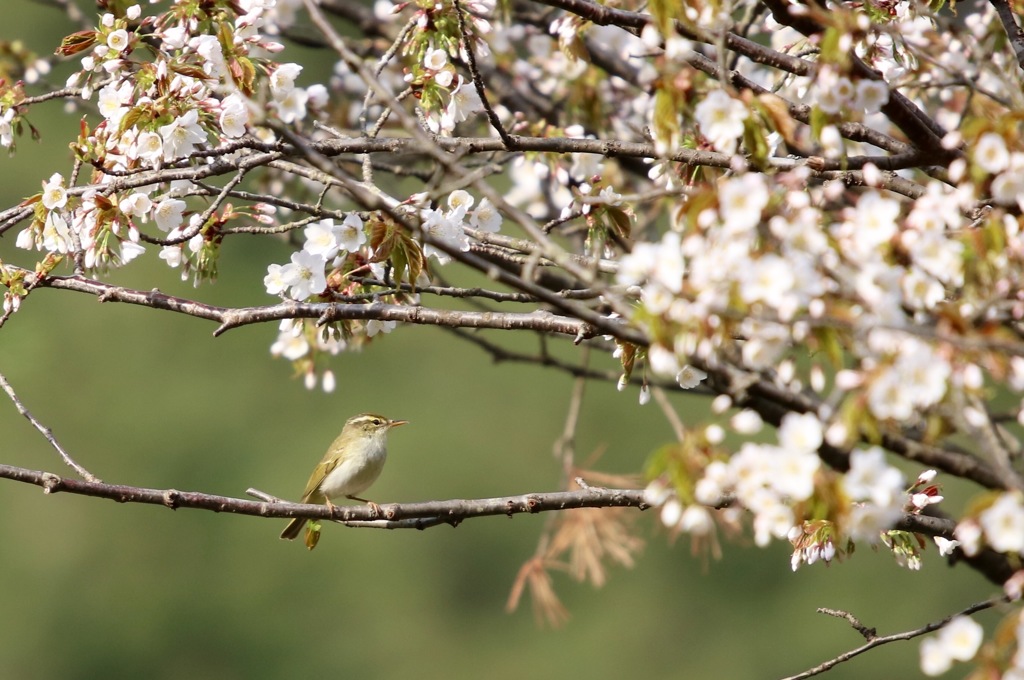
376,421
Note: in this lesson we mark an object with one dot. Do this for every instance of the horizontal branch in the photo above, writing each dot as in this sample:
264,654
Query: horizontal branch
118,181
395,515
233,317
449,512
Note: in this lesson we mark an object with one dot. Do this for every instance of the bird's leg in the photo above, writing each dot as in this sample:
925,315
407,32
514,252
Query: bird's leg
377,512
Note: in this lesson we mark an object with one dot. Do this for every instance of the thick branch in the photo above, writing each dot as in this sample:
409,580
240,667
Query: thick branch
450,511
438,512
1013,31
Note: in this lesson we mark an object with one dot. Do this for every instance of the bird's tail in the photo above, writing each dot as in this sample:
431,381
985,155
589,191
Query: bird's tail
293,528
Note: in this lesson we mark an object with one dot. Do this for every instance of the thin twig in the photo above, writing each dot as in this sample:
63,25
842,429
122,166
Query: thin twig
203,219
670,413
47,433
868,633
565,445
906,635
478,81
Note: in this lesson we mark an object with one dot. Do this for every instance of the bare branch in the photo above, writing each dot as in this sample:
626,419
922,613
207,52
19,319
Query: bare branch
46,432
868,633
449,512
670,413
896,637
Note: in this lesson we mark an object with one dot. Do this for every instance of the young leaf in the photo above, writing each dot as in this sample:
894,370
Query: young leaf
76,42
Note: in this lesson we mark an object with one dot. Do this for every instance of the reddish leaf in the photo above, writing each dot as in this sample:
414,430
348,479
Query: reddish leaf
76,42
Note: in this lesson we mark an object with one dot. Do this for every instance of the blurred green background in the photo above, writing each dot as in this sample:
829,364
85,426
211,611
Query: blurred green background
93,589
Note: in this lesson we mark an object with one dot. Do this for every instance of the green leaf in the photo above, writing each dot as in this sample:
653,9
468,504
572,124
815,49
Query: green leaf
828,342
819,119
757,145
312,534
406,258
664,12
627,356
225,35
666,115
49,263
131,118
416,263
247,76
670,460
830,50
619,220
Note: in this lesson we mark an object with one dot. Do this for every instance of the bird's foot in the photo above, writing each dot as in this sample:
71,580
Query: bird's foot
377,512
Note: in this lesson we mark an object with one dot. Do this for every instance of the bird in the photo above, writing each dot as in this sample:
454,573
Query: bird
352,463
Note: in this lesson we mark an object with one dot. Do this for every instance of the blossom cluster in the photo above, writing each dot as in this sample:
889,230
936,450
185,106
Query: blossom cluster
96,229
334,253
431,49
999,526
959,640
449,226
781,484
327,244
154,113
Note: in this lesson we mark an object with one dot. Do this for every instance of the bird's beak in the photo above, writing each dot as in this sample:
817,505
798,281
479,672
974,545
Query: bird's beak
396,423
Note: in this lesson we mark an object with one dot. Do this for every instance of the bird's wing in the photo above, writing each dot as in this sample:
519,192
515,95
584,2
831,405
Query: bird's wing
319,475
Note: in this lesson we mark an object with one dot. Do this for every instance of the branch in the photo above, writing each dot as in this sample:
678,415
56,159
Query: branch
46,432
604,16
923,132
478,82
396,515
879,641
270,154
992,565
325,312
919,127
772,402
449,512
376,200
1013,32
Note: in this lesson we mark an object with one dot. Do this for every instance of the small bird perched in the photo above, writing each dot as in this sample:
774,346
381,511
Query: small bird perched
352,463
